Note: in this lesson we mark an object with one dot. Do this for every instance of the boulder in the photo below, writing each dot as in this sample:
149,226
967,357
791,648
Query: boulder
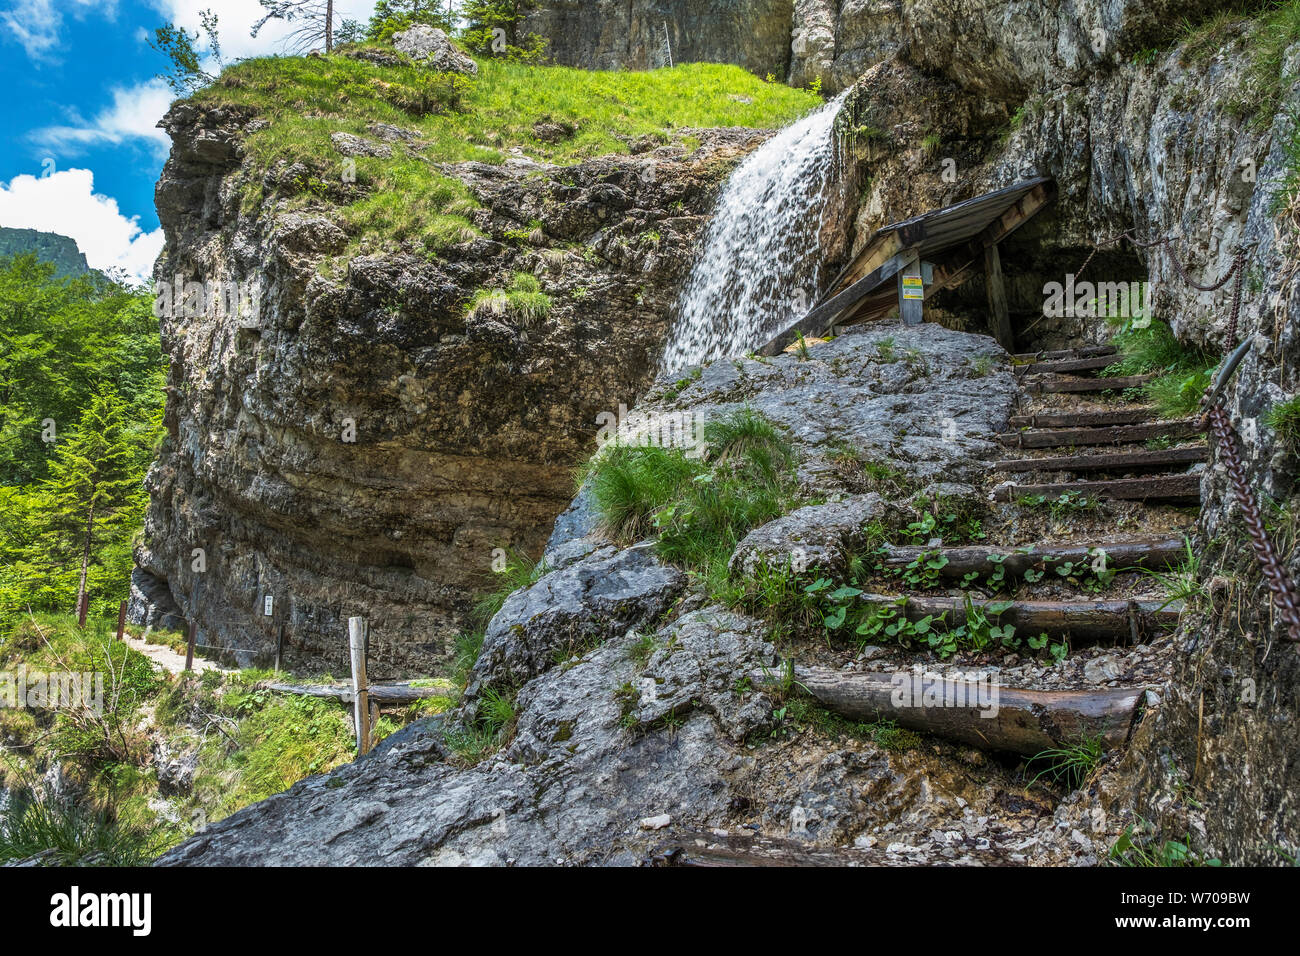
430,46
581,605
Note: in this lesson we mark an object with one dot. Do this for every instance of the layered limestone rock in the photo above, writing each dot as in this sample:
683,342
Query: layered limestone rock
347,439
615,35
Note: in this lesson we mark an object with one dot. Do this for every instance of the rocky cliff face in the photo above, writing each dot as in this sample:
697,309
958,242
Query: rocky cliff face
348,440
998,48
614,35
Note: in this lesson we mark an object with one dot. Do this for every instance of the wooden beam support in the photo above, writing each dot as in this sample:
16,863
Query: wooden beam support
819,319
999,318
1071,365
1114,435
1118,416
360,686
911,292
1095,620
1074,385
384,693
1149,553
1086,351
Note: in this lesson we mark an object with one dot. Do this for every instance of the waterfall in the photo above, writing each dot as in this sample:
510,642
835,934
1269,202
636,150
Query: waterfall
758,268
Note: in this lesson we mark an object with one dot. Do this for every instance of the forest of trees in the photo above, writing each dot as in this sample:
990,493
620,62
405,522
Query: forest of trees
81,403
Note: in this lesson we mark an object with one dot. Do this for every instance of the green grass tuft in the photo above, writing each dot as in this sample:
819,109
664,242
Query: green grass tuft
1154,348
630,484
524,300
1070,764
1284,419
67,835
700,507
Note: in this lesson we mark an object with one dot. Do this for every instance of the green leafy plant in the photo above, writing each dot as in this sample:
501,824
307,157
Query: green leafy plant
1136,847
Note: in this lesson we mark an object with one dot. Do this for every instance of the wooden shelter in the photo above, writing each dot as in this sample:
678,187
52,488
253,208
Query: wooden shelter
924,255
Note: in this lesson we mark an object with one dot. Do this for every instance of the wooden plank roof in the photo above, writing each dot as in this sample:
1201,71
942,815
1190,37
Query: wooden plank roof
953,238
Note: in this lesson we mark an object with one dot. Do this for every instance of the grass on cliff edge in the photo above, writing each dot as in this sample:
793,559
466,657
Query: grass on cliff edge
306,99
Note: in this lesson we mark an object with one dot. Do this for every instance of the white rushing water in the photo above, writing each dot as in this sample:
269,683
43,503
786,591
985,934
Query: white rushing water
758,269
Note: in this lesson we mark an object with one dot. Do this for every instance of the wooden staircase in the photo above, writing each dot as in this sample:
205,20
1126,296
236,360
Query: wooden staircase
1142,462
1088,461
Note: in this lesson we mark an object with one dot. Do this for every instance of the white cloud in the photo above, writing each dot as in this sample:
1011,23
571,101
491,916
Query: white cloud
66,202
134,115
35,24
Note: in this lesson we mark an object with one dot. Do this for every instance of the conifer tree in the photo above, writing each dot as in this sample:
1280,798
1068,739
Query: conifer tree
94,485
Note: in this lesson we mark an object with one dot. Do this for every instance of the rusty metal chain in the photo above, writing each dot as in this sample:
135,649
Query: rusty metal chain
1275,575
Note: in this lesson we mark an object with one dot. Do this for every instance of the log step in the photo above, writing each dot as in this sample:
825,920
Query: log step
1087,619
1071,385
1119,462
1150,553
1118,416
1066,365
700,849
979,713
1159,487
1086,351
1112,435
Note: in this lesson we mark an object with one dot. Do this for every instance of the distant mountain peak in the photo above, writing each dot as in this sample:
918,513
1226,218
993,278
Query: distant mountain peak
49,247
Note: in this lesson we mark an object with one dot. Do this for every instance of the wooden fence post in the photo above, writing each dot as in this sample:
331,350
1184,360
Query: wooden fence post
279,648
189,648
360,688
121,620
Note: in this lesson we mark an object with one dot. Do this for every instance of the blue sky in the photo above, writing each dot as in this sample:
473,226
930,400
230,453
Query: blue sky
82,150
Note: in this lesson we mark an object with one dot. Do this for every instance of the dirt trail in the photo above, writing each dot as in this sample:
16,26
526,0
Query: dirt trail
169,660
